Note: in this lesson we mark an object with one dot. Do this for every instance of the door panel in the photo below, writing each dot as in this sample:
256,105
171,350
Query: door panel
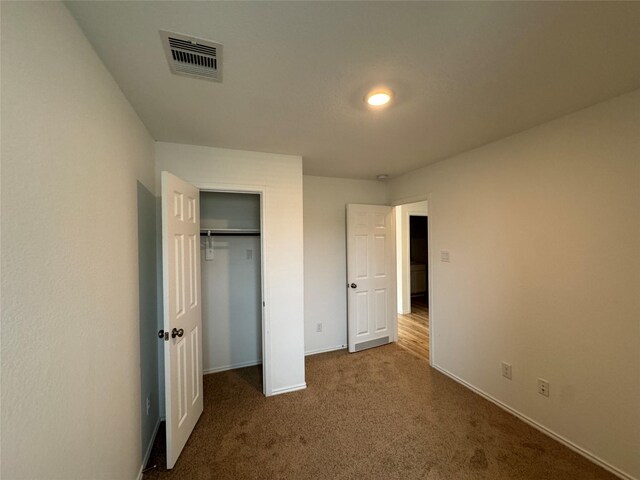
182,312
370,275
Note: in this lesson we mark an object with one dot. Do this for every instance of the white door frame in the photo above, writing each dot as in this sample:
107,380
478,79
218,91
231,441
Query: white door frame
266,330
431,261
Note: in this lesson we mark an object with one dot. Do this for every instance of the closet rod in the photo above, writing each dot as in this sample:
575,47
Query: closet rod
229,234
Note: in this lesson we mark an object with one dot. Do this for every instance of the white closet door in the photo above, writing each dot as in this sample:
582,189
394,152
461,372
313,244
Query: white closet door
182,311
371,276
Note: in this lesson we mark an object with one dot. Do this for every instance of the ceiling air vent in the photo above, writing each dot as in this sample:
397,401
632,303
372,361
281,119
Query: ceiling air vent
192,56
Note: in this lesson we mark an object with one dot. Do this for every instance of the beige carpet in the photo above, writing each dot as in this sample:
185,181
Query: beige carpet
378,414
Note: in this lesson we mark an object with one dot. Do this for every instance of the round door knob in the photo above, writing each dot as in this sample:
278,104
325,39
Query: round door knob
353,285
176,333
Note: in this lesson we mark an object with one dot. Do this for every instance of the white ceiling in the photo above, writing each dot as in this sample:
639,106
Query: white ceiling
295,73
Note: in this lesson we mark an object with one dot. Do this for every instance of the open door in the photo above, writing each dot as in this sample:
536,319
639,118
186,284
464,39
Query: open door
371,276
182,311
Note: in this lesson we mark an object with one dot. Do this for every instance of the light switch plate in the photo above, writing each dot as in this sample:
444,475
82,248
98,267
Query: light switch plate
444,256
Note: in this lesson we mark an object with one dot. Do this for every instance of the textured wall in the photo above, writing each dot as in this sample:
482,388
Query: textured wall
543,229
72,152
325,255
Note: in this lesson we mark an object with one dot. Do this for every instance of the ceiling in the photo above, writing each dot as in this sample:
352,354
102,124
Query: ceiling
295,73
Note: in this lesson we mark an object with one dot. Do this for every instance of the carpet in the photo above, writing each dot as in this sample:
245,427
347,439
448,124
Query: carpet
378,414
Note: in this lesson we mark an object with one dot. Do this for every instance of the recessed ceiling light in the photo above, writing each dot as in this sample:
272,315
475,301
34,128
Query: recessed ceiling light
379,98
382,177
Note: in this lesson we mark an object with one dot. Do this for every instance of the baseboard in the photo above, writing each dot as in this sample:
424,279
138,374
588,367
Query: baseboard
147,454
325,350
250,363
294,388
547,431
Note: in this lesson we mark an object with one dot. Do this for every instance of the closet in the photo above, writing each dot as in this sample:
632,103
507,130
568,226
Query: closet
230,245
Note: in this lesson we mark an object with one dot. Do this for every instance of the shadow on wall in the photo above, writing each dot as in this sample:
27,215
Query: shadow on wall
148,310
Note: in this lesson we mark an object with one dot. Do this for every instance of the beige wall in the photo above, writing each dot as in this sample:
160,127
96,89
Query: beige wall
72,153
325,257
543,230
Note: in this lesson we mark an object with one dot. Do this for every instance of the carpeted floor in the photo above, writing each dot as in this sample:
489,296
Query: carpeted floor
377,414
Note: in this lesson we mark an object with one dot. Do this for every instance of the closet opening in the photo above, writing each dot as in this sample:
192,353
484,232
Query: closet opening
231,260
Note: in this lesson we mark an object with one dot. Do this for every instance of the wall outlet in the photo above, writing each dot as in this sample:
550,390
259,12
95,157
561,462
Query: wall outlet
148,404
444,256
506,370
543,387
249,254
318,327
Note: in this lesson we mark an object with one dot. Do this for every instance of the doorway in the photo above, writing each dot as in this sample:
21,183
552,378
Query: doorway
413,278
230,260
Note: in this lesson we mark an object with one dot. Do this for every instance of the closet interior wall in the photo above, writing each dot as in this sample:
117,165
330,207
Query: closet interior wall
231,281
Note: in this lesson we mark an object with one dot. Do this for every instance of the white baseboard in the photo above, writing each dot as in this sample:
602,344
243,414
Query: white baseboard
293,388
147,454
224,368
547,431
325,350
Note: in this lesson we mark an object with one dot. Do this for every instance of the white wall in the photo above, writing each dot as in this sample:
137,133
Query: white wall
231,291
72,152
281,175
325,261
403,244
543,229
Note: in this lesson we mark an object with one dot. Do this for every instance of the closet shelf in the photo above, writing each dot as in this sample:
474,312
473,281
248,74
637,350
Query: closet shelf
230,231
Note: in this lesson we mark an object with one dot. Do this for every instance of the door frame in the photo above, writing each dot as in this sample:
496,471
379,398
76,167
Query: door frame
428,197
264,283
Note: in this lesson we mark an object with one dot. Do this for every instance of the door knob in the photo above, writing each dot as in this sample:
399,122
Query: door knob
353,285
176,333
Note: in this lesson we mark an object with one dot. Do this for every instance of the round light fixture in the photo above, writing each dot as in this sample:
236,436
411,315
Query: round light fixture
379,98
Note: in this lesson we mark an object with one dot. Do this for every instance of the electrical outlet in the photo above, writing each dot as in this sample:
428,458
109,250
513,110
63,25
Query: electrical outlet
318,327
506,370
148,404
444,256
543,387
249,254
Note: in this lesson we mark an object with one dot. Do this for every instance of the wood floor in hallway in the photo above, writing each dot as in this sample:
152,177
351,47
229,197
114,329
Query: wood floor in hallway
413,330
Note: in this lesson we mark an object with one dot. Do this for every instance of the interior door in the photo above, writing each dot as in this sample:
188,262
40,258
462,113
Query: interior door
371,276
182,311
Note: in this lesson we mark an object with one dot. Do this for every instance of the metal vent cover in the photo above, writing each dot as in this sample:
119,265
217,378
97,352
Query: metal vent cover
191,56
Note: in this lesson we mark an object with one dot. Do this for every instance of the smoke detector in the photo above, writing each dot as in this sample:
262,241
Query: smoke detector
191,56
